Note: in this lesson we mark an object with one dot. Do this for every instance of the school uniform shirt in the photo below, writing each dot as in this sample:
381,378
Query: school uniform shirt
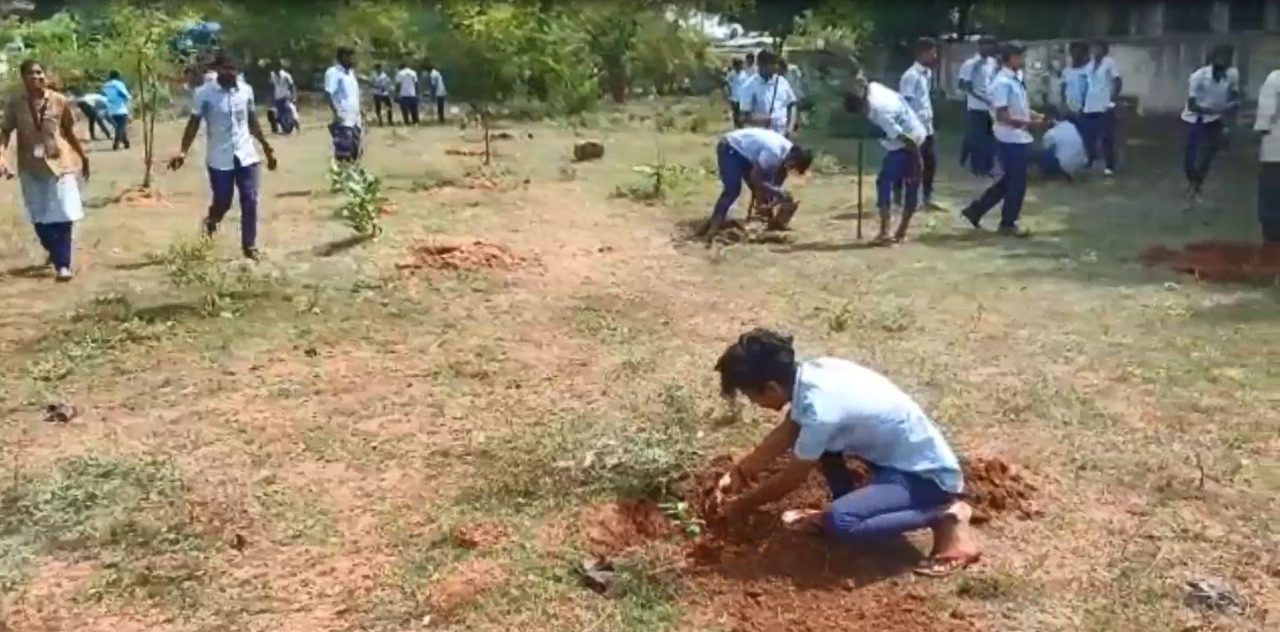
916,87
407,83
842,407
118,97
1210,94
1075,83
977,70
226,120
380,84
95,101
282,82
1101,76
435,84
1008,92
733,83
1268,118
770,98
1067,146
890,112
341,86
765,148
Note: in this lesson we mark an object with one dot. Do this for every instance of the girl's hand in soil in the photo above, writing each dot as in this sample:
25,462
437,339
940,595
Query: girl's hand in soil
729,485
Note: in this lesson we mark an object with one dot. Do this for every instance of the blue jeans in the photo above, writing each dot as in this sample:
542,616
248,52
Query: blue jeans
121,124
284,116
894,502
1011,188
978,146
1048,163
895,169
409,110
733,168
224,184
929,165
1202,144
1099,128
56,240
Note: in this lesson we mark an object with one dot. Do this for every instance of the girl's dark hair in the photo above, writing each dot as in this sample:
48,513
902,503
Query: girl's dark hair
758,357
27,66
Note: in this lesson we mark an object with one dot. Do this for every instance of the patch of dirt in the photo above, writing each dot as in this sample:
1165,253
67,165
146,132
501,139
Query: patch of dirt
994,487
625,524
469,580
1219,261
469,150
461,254
733,232
479,535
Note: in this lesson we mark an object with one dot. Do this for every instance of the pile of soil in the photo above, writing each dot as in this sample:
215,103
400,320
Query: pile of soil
993,487
733,232
461,254
1222,261
479,535
614,528
470,579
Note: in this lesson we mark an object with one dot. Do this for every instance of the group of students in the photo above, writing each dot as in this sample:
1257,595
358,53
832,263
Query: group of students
765,90
410,89
111,103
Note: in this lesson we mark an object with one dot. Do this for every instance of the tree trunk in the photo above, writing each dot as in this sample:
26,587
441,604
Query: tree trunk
484,125
616,82
148,129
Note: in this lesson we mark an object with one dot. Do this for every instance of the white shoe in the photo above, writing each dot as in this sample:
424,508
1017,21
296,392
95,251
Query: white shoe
1108,172
63,275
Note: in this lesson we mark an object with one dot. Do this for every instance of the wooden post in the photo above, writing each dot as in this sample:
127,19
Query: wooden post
860,164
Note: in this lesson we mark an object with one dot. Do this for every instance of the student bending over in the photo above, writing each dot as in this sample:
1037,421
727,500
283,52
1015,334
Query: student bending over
839,408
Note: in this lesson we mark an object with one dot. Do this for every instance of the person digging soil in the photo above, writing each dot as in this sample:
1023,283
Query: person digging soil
838,407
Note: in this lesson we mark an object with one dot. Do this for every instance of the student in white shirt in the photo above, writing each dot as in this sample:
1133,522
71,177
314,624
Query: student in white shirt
342,91
1100,106
94,108
226,106
1267,124
1062,151
732,86
380,86
761,157
407,94
770,100
1014,121
285,93
977,149
916,88
1075,80
1214,90
436,90
795,77
904,135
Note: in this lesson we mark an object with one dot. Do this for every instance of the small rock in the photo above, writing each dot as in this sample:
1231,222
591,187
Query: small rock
1214,594
238,542
588,150
597,574
60,413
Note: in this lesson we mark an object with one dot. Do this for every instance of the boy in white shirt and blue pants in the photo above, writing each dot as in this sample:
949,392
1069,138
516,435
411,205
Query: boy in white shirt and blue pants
1100,106
1014,121
1214,90
978,149
916,88
904,134
1268,126
770,100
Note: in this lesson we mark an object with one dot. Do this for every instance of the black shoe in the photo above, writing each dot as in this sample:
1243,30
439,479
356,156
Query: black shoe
210,228
251,252
973,218
1013,231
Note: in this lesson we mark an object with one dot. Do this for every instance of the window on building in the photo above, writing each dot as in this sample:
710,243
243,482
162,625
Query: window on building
1187,17
1248,15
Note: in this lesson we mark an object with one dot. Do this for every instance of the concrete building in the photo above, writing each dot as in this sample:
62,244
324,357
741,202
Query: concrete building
1157,46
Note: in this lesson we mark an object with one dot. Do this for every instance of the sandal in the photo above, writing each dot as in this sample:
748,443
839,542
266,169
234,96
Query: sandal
940,567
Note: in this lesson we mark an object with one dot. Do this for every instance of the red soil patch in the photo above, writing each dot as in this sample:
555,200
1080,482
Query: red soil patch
469,580
460,254
624,524
994,487
1214,260
479,535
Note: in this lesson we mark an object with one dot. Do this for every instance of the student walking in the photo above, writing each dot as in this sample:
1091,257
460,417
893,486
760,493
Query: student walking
977,149
285,94
227,108
342,92
1104,84
1014,121
1075,82
1268,126
916,88
51,162
1214,91
770,101
407,94
118,101
436,90
904,135
380,85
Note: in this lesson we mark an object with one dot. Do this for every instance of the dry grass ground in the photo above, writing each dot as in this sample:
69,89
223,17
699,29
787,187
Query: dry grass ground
295,445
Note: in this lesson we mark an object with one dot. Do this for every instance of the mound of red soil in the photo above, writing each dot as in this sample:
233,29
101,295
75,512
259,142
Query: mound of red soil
616,527
472,578
460,254
1215,260
993,487
479,535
